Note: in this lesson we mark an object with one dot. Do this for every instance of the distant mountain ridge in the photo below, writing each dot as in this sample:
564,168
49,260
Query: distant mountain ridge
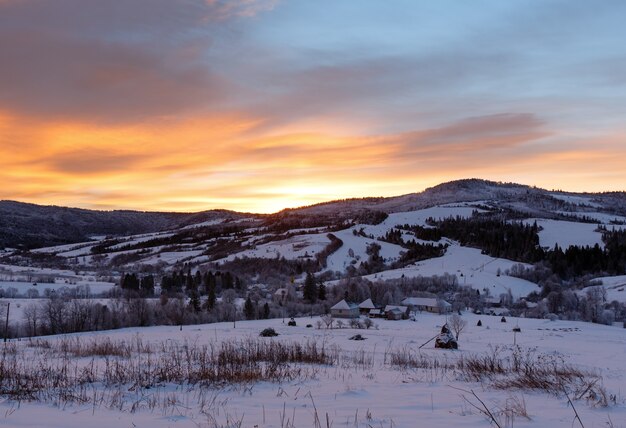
464,190
24,225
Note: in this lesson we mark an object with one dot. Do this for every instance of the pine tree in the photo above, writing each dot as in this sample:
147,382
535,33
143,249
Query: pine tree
266,310
194,301
211,298
310,289
321,291
248,309
130,282
147,285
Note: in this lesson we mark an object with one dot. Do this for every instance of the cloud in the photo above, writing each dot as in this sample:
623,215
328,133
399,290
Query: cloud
114,62
70,78
179,104
84,161
478,135
227,9
371,88
208,162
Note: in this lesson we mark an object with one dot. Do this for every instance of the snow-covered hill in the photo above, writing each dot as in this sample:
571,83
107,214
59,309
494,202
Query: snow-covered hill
337,237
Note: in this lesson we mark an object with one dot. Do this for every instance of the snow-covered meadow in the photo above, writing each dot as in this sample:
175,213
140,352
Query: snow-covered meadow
385,380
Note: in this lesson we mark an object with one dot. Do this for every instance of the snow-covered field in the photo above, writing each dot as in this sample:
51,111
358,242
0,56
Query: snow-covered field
471,268
419,217
602,218
615,287
94,287
567,233
576,200
299,246
354,251
361,388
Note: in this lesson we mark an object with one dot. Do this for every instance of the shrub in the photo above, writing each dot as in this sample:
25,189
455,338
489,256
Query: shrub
268,332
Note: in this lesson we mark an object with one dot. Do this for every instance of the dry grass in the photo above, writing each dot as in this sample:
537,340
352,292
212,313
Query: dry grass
67,369
509,369
132,375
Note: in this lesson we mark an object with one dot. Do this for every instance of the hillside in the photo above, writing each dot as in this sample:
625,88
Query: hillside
477,231
31,226
194,291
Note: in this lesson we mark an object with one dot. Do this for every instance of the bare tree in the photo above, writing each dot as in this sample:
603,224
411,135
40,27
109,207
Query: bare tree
32,313
328,320
457,324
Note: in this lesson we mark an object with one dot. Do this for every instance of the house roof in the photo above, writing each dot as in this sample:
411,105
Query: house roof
425,301
420,301
396,307
367,304
344,305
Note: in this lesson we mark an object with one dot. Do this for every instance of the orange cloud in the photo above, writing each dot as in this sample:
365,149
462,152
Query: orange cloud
210,161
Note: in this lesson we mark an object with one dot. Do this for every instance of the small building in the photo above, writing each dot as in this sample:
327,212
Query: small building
366,306
428,304
376,313
280,295
344,309
497,311
394,312
494,302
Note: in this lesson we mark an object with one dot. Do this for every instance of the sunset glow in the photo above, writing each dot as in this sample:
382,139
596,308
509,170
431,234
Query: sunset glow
262,105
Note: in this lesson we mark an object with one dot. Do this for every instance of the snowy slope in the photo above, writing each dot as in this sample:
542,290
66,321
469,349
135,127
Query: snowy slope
357,245
419,217
615,287
299,246
369,394
567,233
471,268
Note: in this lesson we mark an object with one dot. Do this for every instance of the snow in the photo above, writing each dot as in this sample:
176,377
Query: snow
141,238
95,287
576,200
615,287
601,218
172,257
299,246
24,270
471,268
374,393
567,233
418,217
341,259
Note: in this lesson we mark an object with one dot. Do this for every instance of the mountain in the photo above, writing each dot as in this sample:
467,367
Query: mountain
27,226
31,226
519,196
473,232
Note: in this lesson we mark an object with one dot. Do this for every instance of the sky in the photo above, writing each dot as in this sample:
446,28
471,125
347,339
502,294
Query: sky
259,105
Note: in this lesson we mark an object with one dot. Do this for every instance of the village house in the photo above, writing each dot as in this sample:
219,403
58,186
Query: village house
366,306
344,309
280,295
495,302
394,312
376,313
428,304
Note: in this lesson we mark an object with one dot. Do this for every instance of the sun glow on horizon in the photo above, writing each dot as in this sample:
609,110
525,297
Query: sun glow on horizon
262,105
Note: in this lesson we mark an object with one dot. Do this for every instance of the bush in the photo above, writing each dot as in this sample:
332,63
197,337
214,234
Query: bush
356,337
268,332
